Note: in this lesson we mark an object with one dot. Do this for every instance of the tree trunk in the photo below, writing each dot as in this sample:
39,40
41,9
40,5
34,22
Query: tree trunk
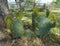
18,3
4,7
4,10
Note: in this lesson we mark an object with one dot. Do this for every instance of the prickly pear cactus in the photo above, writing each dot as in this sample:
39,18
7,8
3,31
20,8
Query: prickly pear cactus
17,28
44,26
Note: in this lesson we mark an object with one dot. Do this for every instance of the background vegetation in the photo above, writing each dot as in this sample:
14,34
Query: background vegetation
28,24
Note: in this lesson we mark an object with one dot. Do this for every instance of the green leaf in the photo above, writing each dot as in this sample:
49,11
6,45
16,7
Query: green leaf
8,21
51,16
